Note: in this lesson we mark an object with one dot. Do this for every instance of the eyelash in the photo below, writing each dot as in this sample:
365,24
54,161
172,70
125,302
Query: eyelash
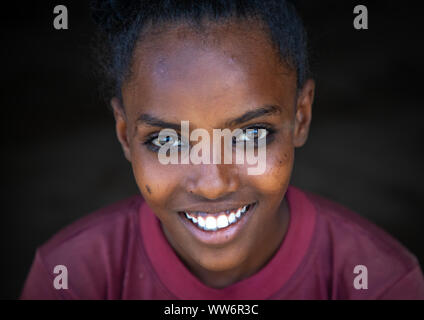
270,134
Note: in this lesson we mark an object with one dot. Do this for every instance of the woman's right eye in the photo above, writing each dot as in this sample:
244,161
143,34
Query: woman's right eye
160,141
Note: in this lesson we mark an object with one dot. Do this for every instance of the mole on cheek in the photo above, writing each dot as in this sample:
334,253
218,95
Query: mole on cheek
285,158
148,189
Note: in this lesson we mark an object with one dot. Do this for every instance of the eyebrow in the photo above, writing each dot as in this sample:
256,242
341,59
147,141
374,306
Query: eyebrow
259,112
153,121
150,120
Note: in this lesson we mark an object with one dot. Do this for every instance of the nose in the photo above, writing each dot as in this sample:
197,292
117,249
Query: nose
213,181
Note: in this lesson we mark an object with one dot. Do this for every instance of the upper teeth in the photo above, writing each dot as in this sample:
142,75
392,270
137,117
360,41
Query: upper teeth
213,222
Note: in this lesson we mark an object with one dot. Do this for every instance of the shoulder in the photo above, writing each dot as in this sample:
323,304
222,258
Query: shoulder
96,226
93,249
349,226
354,243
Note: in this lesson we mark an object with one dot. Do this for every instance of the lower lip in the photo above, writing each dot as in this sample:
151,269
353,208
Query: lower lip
220,236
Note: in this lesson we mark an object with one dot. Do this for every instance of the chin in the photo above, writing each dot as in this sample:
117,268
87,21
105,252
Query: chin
221,262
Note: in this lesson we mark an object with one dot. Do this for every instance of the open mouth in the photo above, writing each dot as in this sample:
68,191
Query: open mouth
218,220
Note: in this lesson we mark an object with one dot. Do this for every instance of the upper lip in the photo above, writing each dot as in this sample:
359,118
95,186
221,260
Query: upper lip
214,208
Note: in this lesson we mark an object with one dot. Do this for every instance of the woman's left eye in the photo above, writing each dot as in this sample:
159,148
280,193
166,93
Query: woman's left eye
252,134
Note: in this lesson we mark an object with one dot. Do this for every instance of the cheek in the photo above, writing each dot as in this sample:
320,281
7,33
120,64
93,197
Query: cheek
156,181
279,165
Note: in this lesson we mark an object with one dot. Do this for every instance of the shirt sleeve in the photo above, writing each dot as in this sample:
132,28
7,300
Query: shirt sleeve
39,284
408,287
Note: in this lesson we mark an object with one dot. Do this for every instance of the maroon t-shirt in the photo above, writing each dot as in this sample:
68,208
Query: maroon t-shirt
120,252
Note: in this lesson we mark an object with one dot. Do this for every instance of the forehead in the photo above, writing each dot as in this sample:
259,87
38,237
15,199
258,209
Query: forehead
227,67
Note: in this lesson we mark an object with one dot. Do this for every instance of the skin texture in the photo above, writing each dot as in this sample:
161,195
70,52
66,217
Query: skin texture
209,78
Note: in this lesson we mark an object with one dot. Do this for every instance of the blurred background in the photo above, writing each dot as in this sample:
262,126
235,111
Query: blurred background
61,159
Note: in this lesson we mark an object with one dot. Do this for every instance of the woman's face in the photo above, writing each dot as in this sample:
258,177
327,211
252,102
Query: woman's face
210,80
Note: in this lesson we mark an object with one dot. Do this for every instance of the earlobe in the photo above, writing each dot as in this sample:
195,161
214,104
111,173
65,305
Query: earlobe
121,126
303,115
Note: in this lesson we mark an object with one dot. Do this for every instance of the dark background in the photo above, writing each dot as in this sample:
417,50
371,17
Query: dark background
61,159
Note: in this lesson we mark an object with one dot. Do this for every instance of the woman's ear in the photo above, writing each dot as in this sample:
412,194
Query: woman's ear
303,113
121,126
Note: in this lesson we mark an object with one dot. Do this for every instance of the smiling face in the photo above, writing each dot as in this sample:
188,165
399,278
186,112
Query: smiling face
213,80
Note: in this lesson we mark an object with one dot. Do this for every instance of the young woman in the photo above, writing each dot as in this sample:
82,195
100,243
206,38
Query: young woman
212,230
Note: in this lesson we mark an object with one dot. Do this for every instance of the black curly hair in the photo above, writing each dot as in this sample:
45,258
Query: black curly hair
120,23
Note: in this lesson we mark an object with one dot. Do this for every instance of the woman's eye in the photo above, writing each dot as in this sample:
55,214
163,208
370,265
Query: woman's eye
162,140
170,140
252,134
